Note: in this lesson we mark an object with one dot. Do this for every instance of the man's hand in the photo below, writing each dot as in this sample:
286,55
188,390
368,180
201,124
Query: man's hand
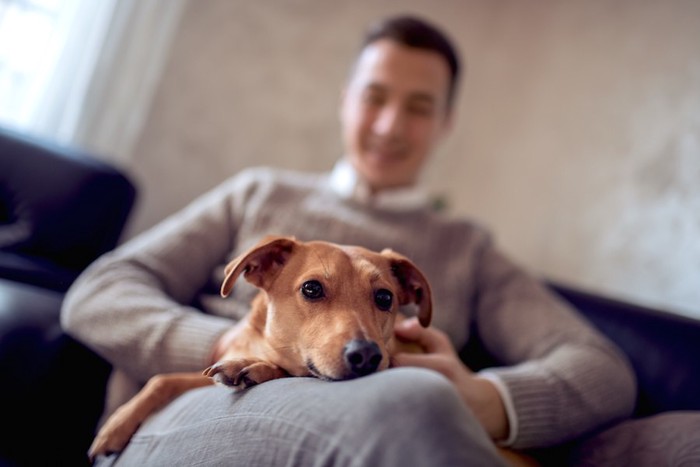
478,393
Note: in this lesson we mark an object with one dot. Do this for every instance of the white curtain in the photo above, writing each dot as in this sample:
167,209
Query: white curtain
89,80
126,75
56,103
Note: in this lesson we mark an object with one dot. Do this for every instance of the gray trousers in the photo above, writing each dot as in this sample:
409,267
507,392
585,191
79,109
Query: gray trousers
399,417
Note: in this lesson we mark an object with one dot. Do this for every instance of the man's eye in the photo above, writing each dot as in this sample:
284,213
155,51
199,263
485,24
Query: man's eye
421,110
312,290
383,298
373,99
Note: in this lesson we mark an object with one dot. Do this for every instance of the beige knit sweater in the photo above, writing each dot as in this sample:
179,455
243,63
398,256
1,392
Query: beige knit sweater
152,305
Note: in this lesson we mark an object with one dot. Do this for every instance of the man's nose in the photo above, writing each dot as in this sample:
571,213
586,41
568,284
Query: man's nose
390,122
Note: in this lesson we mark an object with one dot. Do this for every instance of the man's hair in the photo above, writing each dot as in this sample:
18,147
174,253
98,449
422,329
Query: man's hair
412,31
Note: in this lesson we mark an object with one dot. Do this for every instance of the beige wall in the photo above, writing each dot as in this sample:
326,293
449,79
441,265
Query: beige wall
577,142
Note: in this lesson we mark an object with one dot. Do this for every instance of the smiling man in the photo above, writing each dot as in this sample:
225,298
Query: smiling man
395,109
151,306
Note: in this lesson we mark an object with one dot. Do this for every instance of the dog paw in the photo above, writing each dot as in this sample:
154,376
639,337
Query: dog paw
114,434
243,373
103,445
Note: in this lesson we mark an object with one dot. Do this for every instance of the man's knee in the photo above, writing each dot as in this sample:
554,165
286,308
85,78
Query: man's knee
413,416
414,394
409,400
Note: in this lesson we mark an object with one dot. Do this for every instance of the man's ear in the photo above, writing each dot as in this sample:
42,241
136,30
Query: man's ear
260,264
414,285
447,122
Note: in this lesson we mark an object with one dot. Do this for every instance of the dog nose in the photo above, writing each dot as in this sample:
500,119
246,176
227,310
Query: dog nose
362,357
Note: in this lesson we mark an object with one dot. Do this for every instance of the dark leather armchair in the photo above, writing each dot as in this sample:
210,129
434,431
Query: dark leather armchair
60,208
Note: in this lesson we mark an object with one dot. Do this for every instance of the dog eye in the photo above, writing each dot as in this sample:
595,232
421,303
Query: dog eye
383,298
312,290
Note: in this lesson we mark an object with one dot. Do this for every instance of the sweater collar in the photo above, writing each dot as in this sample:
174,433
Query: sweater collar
345,181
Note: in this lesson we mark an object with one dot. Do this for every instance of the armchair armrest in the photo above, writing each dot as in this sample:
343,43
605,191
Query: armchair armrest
663,348
58,206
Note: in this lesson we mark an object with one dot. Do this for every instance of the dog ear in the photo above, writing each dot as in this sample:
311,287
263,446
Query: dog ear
414,285
258,264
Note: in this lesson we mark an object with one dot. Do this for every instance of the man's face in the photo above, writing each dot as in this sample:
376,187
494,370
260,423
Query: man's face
394,111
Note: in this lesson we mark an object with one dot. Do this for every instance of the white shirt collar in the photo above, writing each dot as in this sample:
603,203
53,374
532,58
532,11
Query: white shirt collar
345,181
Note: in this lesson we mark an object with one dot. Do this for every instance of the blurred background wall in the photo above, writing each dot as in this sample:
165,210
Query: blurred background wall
577,140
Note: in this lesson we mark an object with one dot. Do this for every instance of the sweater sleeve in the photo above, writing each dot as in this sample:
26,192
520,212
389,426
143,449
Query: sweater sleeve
564,377
131,306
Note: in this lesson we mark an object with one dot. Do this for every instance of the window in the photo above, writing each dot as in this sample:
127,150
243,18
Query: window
48,49
83,72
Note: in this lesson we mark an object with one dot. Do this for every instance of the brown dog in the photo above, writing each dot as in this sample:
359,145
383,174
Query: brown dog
324,310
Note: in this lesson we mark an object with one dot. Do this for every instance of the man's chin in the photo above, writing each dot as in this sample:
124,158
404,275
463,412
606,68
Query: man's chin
379,182
380,173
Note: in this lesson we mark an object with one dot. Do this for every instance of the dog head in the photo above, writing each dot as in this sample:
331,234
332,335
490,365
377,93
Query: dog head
330,309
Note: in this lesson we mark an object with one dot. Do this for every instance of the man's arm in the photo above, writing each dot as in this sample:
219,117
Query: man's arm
563,377
131,305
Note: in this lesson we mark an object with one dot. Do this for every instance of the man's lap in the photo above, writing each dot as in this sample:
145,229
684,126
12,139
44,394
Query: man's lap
379,419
